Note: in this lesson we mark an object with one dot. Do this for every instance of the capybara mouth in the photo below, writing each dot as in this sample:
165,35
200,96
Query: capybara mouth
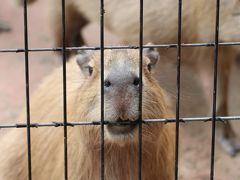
120,126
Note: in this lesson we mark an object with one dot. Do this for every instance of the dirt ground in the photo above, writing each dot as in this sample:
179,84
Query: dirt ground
195,138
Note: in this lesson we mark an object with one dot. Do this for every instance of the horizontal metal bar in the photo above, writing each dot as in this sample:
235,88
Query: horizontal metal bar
146,121
20,50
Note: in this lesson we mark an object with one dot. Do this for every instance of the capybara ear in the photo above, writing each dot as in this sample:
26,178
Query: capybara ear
152,54
83,58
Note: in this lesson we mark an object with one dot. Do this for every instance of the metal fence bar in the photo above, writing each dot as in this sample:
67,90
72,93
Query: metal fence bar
65,134
178,85
102,86
140,90
187,45
183,45
27,91
222,119
215,88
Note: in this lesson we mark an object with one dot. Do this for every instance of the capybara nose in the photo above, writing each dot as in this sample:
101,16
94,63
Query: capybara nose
122,120
122,126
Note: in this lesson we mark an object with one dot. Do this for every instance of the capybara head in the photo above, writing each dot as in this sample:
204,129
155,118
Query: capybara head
121,89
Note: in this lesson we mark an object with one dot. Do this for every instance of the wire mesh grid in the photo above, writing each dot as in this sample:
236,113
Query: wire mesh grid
179,45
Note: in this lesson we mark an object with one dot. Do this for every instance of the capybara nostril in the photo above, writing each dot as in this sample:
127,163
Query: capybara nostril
136,81
107,83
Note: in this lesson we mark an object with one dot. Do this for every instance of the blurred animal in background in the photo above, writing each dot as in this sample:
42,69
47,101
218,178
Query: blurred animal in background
160,26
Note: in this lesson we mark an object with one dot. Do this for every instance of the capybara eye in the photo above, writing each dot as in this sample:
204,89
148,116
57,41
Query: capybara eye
149,67
90,69
136,81
107,83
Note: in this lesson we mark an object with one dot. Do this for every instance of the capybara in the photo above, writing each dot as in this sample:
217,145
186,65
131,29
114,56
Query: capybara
121,98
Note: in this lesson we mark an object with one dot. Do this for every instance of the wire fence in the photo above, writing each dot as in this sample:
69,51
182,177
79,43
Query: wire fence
179,45
27,91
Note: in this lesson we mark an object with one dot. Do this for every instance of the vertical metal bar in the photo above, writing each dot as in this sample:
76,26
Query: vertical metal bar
178,84
140,91
64,93
27,91
215,88
102,87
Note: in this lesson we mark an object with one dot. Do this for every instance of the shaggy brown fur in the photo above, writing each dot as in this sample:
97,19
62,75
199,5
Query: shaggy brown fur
83,100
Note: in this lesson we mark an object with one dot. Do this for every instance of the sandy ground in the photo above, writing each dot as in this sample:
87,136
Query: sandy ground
195,138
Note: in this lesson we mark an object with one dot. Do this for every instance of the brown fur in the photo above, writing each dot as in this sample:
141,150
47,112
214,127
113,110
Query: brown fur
84,141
